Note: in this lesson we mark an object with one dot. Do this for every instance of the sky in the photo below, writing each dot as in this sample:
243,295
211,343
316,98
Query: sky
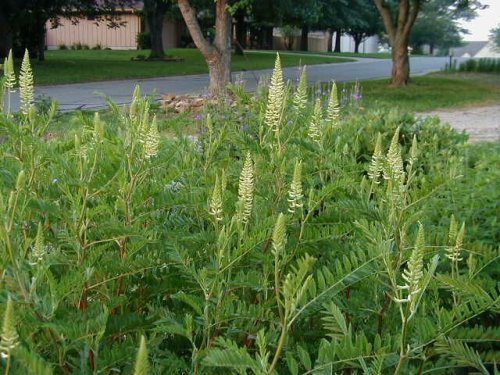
486,20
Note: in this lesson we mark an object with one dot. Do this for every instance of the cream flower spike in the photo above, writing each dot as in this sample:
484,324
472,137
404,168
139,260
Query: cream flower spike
152,140
10,338
245,191
215,208
333,109
314,131
279,235
38,252
395,161
276,97
295,194
376,166
453,252
300,97
414,271
26,90
9,73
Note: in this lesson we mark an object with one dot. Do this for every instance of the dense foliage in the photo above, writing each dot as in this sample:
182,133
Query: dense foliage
480,65
285,237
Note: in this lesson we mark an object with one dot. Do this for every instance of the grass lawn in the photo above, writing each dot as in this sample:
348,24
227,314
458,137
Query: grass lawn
375,55
381,55
68,66
438,90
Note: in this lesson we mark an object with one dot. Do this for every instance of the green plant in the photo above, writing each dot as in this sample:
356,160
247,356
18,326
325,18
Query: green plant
483,65
144,40
79,46
256,246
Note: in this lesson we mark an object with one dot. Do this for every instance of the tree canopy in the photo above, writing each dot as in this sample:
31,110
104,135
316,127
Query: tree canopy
22,22
399,17
495,35
437,25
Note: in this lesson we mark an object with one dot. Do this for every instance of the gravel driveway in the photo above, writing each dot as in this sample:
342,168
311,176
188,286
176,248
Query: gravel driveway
481,123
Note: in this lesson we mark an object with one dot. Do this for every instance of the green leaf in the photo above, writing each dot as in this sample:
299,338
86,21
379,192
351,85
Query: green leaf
305,358
230,358
293,366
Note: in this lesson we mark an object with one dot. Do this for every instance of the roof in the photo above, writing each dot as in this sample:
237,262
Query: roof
123,5
470,49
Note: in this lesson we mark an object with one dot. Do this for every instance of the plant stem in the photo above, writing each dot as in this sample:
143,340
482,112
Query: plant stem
402,354
281,345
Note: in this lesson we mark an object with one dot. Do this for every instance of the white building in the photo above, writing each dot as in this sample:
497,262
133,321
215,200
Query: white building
477,50
318,41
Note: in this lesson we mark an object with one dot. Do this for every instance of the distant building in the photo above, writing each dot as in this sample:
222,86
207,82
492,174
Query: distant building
477,50
369,45
318,42
92,32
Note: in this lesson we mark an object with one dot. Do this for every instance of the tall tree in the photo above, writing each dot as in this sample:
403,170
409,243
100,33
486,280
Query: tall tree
334,17
437,25
399,34
362,21
264,16
155,11
399,18
302,14
240,10
495,36
218,54
7,9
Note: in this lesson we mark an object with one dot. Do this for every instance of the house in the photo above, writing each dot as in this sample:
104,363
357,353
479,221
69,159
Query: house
477,50
318,41
92,32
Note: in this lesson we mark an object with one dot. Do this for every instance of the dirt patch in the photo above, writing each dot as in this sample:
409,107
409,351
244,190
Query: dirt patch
481,123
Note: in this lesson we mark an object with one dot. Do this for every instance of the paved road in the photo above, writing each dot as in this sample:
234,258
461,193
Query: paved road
92,95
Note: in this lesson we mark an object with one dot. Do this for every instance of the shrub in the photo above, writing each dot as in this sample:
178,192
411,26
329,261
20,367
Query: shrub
484,65
285,237
144,40
79,46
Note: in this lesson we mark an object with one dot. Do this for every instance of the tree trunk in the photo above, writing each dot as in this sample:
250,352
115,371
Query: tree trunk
5,37
268,38
219,70
330,40
357,41
398,33
155,13
42,32
220,73
338,35
400,63
218,55
431,49
241,32
304,38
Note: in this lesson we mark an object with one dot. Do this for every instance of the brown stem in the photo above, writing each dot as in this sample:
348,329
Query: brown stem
348,297
82,305
91,360
381,313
